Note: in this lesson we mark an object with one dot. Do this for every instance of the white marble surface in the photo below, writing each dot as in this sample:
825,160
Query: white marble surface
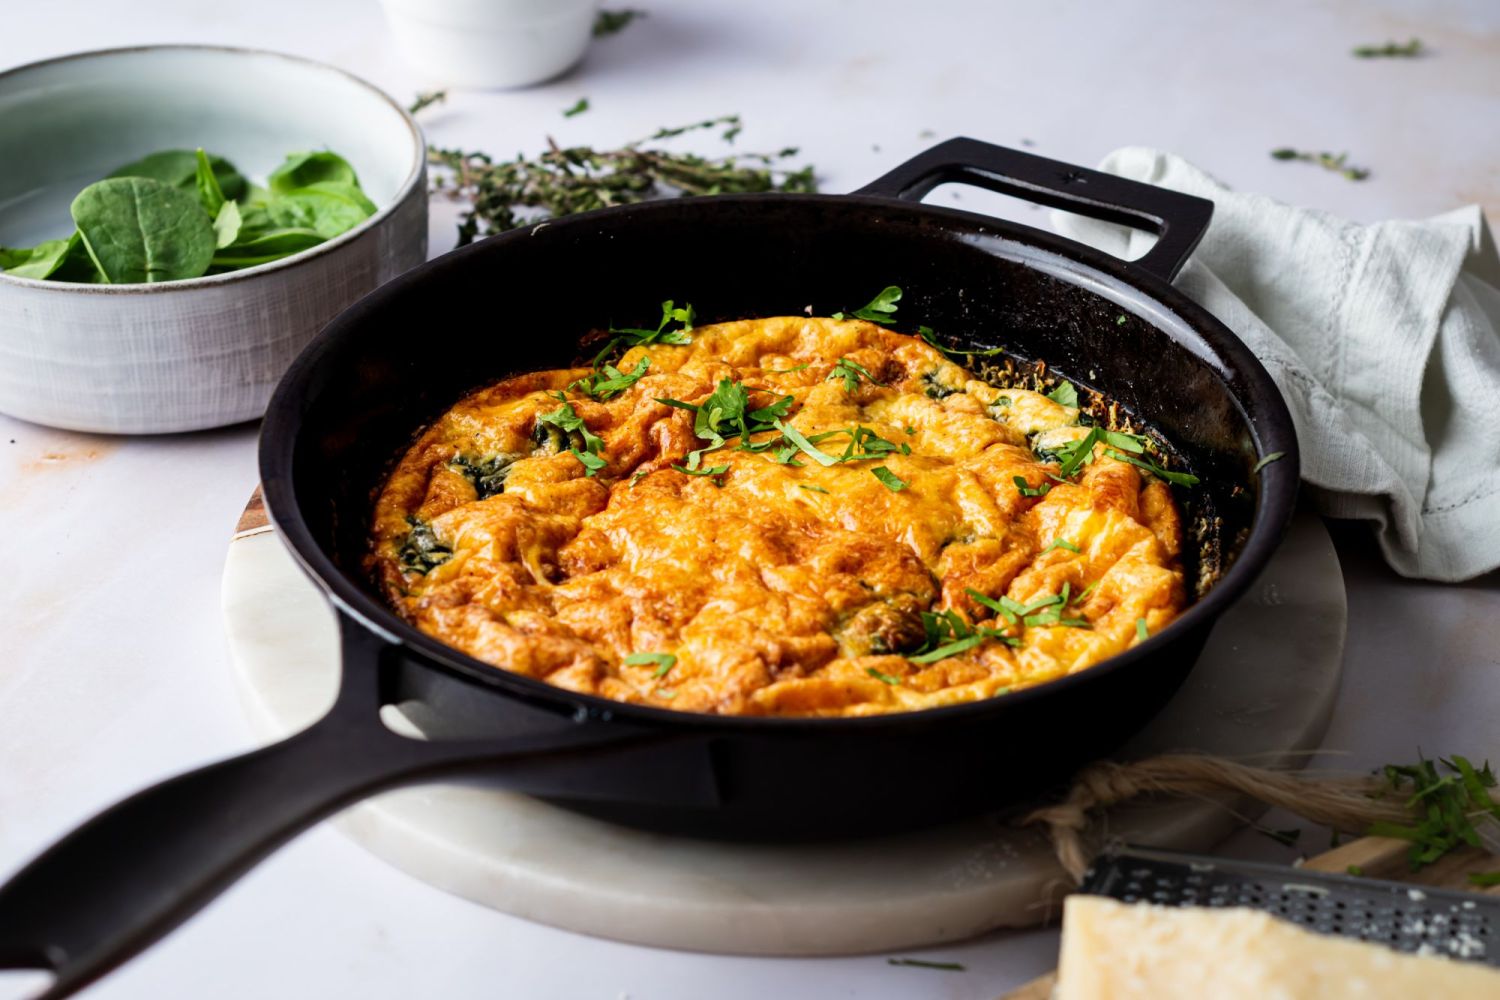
1263,689
115,673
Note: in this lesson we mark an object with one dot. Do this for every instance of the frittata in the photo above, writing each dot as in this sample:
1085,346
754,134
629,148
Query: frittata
787,516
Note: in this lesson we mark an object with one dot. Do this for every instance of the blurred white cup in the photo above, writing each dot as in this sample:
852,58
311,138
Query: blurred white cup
492,44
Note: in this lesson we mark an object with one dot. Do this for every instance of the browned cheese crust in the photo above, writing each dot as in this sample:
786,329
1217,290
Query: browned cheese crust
780,588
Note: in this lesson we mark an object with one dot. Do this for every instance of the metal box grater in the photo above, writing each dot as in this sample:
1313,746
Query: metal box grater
1406,917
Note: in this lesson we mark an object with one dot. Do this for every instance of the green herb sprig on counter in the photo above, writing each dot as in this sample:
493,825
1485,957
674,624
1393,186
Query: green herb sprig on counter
612,22
562,181
578,108
1444,806
1390,50
180,214
426,99
1337,163
918,963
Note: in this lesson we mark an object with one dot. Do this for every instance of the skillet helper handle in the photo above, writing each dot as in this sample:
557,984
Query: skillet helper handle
131,874
1178,220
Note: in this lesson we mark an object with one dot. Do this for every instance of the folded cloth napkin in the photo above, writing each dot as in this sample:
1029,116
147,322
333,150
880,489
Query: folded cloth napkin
1385,341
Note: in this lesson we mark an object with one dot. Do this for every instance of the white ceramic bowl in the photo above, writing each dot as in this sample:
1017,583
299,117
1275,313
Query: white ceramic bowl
204,352
491,44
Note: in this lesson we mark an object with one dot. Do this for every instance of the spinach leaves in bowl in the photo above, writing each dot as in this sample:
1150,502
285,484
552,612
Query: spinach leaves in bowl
181,214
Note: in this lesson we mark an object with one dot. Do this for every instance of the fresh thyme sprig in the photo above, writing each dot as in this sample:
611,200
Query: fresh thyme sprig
565,180
1337,163
426,99
612,22
1390,50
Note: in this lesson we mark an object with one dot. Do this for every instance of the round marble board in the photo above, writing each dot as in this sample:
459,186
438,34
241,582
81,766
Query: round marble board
1264,686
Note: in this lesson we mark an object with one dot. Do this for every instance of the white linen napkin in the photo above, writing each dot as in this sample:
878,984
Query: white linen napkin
1385,340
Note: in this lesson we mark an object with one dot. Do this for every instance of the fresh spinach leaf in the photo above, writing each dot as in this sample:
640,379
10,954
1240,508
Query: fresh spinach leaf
265,246
179,168
227,225
37,262
302,170
209,190
328,209
141,230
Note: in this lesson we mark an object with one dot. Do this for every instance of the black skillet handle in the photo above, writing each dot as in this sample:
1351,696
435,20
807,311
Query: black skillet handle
1178,220
125,878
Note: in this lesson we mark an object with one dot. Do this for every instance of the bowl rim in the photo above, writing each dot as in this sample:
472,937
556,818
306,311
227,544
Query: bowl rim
413,179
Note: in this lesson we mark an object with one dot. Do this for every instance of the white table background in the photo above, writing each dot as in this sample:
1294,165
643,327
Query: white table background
114,671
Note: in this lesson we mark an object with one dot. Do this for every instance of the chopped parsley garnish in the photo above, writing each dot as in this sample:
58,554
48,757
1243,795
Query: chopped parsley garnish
1027,490
608,381
1061,543
567,420
726,414
883,677
632,336
1444,807
812,489
1355,870
1041,612
1120,320
909,429
809,449
591,463
948,634
664,662
1086,591
892,482
713,473
880,309
918,963
1275,456
1141,632
1064,395
865,443
578,108
1175,478
850,372
571,426
928,334
788,371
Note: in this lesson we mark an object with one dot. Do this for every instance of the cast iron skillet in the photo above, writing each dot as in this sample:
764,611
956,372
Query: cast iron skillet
356,397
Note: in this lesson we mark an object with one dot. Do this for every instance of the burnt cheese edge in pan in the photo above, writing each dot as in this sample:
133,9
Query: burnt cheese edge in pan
783,516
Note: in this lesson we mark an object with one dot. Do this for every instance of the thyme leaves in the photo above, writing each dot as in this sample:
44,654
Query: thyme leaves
565,180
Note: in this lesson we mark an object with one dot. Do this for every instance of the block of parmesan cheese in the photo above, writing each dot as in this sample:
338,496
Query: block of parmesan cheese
1122,951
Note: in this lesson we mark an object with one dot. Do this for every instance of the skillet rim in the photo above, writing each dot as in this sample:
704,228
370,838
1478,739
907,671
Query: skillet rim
1256,397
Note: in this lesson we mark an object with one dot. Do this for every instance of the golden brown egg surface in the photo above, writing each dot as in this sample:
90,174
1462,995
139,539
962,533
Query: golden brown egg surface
883,539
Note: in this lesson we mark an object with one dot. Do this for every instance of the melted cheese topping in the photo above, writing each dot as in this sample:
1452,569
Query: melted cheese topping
780,589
